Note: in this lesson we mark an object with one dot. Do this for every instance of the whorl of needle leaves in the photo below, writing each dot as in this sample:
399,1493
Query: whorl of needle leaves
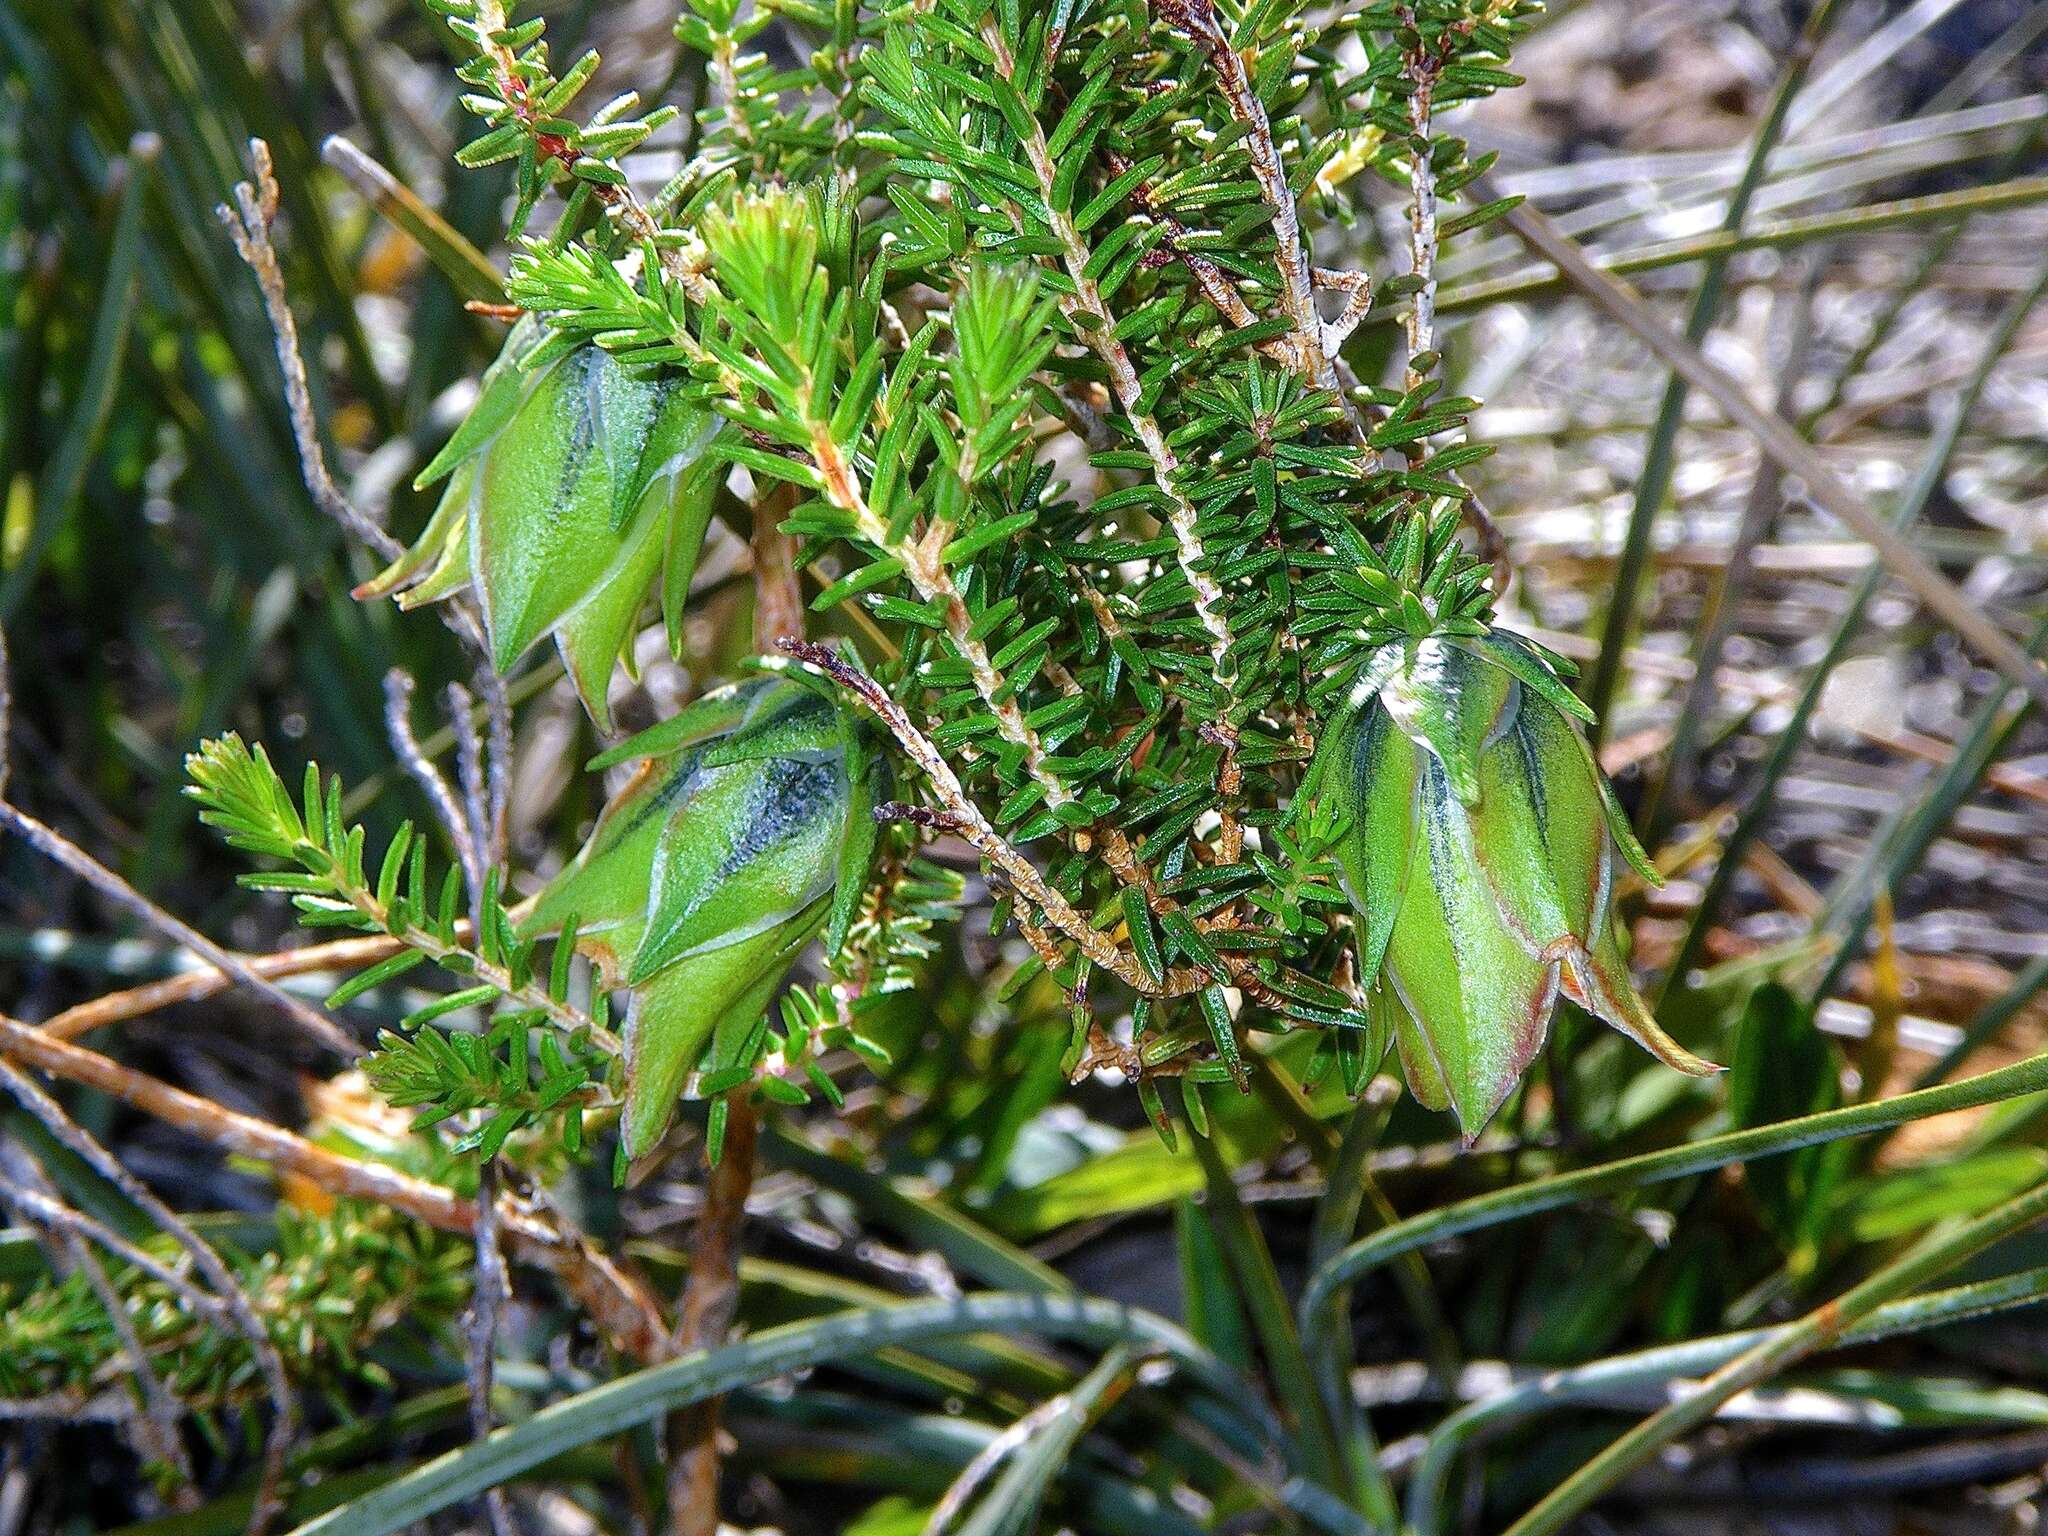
323,866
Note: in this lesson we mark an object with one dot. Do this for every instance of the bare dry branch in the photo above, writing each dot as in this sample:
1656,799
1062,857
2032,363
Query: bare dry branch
248,225
711,1298
54,846
449,811
621,1307
487,1300
335,957
240,1310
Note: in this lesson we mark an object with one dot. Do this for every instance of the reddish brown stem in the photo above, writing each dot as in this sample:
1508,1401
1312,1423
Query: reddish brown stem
778,597
711,1299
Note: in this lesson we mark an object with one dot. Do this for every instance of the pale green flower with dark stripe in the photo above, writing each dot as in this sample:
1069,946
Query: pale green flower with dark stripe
575,486
1480,858
712,869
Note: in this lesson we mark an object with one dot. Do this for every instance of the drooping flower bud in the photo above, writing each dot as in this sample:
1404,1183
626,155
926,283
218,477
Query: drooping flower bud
711,870
573,484
1480,860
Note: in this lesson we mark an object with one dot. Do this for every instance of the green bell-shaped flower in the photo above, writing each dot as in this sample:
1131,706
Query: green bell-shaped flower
712,868
573,485
1480,858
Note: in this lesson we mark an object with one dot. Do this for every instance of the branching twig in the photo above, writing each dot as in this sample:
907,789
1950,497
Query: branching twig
156,1427
1214,282
966,818
55,1214
924,563
1198,19
1421,68
1092,319
617,1303
619,198
249,228
1357,290
398,692
959,814
497,760
470,774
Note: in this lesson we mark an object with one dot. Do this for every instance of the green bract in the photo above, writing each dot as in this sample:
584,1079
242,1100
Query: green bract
1480,858
574,483
712,868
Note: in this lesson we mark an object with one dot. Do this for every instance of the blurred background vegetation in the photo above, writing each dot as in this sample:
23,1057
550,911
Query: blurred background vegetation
1853,811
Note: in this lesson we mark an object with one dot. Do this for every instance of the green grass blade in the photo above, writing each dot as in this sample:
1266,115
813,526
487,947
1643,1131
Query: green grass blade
1851,902
1817,1330
964,1243
1012,1505
1258,1284
63,479
1548,1194
1927,479
1670,1364
1660,457
1951,209
635,1399
1992,1018
466,267
1671,790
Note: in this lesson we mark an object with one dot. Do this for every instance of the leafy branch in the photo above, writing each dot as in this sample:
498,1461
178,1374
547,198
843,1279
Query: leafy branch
497,1072
332,1285
523,105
